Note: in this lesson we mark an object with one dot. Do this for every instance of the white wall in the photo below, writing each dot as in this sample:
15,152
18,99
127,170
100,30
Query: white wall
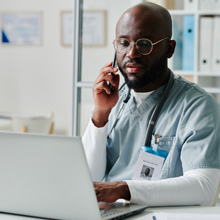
37,79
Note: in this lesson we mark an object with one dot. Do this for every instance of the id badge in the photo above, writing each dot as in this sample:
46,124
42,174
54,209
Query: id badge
149,166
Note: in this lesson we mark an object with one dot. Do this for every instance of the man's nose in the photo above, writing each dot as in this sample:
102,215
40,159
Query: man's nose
133,52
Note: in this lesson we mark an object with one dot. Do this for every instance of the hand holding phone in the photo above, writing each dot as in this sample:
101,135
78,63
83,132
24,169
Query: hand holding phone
105,95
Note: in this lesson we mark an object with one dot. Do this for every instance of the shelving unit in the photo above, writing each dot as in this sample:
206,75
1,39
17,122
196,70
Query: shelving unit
209,80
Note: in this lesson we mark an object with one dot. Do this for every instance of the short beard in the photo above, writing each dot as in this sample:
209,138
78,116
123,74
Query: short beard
151,76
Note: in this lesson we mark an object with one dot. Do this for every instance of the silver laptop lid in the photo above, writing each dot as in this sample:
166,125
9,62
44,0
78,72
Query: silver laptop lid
45,176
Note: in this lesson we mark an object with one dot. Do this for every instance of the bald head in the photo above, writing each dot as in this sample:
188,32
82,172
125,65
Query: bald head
150,14
144,72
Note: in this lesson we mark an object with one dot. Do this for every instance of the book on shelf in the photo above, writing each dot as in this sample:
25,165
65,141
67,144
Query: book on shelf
215,65
209,5
177,36
189,5
205,45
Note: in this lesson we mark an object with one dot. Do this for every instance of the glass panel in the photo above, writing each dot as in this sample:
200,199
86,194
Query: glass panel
95,54
94,57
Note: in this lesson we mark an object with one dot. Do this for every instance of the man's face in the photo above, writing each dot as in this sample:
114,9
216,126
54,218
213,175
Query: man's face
140,70
134,81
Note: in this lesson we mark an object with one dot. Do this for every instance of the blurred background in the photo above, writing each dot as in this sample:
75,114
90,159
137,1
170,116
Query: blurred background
39,76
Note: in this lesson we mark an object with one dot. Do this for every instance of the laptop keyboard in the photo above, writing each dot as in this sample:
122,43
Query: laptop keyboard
108,212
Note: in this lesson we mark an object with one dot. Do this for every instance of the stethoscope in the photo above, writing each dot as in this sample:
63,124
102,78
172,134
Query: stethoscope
155,113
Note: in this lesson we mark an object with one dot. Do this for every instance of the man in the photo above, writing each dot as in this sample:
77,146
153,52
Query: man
187,128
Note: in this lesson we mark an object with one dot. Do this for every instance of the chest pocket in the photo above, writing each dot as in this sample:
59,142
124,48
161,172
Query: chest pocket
163,143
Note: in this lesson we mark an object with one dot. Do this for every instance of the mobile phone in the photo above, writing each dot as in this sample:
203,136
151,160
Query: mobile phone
114,65
114,61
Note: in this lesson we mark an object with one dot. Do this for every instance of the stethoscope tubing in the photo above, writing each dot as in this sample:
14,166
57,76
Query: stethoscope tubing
122,106
154,114
157,110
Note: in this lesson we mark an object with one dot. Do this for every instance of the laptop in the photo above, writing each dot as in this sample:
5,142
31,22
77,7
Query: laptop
47,176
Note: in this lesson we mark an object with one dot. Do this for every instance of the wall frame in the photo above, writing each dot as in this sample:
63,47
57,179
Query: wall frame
21,28
66,28
94,28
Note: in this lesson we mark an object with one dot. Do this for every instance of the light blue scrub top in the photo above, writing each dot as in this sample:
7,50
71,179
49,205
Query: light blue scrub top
188,125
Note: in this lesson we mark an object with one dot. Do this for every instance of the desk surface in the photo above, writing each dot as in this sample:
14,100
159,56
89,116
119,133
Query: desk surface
145,215
148,213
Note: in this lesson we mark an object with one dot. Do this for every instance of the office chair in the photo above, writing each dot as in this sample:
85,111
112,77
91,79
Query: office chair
41,124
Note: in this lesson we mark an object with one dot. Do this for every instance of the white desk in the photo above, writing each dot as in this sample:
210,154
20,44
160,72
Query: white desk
145,215
148,213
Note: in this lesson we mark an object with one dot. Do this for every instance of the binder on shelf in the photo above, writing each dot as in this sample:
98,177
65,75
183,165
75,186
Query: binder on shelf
188,42
215,45
189,5
206,5
205,44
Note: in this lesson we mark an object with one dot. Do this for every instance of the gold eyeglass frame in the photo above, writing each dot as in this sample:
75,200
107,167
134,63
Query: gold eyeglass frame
132,43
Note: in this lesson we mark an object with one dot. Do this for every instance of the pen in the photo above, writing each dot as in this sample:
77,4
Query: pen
154,218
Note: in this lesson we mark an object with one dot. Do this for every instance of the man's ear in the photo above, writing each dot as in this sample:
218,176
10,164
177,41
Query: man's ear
171,48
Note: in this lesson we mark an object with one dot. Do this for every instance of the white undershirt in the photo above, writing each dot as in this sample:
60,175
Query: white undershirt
195,187
139,97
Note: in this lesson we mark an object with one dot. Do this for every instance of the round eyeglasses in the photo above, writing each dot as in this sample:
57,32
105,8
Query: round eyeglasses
143,45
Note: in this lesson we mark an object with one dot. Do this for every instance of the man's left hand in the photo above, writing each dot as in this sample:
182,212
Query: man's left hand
110,192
